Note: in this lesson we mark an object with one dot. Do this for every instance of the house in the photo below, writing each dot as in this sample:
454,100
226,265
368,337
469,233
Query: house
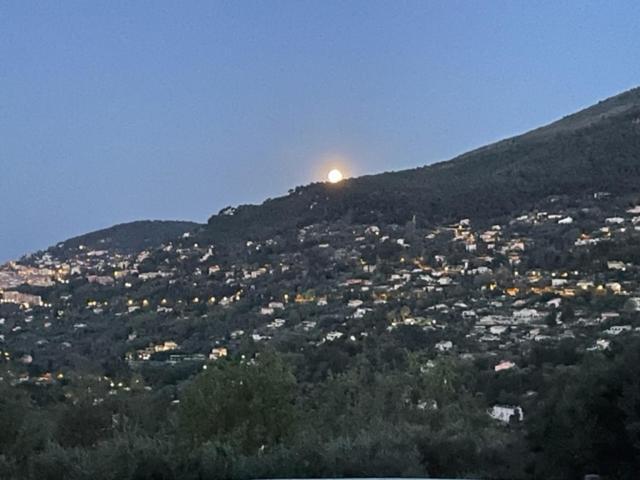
100,279
489,236
146,353
504,365
504,413
217,353
585,284
277,323
372,230
555,302
618,329
444,346
604,316
635,210
331,336
498,329
615,287
526,315
308,325
361,312
21,299
151,275
166,346
616,265
601,344
237,334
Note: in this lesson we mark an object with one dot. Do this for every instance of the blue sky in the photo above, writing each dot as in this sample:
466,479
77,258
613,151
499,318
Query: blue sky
123,110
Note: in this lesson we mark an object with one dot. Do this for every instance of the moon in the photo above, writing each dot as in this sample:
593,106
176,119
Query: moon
335,176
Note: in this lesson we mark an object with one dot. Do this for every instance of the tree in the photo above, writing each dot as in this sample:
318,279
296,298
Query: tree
250,404
588,419
83,424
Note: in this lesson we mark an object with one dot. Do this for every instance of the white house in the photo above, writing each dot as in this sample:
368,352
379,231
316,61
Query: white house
331,336
277,323
618,329
616,265
504,413
444,346
526,315
504,365
498,329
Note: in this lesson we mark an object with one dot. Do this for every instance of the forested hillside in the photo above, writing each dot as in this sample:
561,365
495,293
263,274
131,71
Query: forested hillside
126,237
595,149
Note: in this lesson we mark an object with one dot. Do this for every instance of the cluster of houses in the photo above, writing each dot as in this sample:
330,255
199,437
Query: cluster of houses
471,289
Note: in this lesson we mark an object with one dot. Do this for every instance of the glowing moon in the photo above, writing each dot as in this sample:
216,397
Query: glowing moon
335,176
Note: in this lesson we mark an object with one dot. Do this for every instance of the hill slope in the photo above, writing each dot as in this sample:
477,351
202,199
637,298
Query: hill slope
595,149
128,237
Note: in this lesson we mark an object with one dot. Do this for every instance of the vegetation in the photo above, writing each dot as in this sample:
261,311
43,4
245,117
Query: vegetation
127,237
348,330
264,418
594,150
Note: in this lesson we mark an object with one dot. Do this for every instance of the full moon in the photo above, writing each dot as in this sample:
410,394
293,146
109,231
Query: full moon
335,176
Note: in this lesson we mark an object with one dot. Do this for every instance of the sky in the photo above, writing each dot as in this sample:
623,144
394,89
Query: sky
123,110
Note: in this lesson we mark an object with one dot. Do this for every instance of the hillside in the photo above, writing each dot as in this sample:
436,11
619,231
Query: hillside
126,237
595,149
477,348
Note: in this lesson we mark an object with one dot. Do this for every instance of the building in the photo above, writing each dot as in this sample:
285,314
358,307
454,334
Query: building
218,352
504,413
21,299
504,365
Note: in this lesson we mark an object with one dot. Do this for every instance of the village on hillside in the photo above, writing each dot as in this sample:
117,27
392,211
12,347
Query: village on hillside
562,272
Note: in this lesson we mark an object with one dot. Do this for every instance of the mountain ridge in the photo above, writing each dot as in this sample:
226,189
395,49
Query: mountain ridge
128,237
503,173
595,148
484,333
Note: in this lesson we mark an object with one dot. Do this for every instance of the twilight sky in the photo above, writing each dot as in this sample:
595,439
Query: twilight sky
123,110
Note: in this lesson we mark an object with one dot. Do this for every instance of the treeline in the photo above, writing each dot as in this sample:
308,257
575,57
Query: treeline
263,418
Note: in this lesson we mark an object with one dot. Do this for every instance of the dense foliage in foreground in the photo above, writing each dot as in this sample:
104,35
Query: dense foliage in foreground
388,413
